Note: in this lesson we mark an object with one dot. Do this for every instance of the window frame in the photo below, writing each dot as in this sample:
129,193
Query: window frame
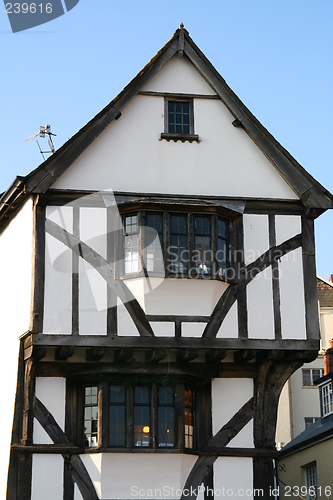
191,136
310,478
312,380
75,406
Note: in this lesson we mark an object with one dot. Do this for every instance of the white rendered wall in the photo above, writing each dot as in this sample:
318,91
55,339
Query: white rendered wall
235,475
51,391
228,396
179,76
229,327
287,226
47,477
260,306
284,423
92,287
58,275
129,155
256,236
15,296
292,296
193,329
121,475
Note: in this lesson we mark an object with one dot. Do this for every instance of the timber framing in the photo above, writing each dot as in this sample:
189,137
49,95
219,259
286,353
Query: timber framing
312,194
204,343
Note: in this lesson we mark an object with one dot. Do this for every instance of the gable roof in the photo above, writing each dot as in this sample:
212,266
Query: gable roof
312,194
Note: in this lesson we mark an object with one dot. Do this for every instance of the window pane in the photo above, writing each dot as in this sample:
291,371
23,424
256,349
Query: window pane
117,425
165,396
189,418
165,426
154,242
141,394
178,242
142,426
178,117
117,394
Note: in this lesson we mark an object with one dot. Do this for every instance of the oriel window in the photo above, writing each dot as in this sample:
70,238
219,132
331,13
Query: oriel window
131,229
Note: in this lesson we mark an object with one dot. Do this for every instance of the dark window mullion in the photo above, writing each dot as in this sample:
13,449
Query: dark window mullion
214,245
141,242
190,245
166,242
130,416
179,416
153,415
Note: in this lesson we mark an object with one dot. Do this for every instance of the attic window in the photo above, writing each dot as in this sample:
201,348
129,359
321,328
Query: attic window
179,120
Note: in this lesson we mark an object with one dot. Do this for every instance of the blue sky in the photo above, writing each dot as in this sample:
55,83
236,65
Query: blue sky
275,54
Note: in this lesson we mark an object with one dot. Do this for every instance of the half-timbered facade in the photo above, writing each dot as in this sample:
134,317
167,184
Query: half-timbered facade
173,294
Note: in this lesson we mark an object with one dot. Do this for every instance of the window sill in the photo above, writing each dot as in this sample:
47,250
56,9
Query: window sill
180,137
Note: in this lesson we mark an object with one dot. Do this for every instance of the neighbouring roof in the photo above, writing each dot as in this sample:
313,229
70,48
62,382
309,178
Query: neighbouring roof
325,292
319,431
312,193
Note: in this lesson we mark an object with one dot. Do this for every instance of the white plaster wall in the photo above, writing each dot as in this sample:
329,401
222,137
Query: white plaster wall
256,236
122,475
51,391
283,424
92,287
326,327
15,295
93,464
235,475
58,275
163,328
260,306
193,329
179,76
287,226
229,327
177,296
305,399
228,396
47,477
129,156
292,295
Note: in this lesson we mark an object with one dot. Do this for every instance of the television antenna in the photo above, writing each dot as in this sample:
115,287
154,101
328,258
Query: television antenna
42,132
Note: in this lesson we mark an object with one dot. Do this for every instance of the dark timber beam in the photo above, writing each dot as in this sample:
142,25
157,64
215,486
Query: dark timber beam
95,353
202,343
73,463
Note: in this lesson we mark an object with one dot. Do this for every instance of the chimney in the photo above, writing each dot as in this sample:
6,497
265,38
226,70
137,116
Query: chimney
328,359
330,279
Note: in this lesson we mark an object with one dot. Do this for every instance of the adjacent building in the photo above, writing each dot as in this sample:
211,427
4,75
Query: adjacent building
305,464
299,405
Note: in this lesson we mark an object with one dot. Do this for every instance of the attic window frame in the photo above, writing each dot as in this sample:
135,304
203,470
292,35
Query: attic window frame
173,136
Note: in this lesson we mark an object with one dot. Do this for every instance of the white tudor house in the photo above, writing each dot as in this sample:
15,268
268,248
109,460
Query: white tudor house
170,295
